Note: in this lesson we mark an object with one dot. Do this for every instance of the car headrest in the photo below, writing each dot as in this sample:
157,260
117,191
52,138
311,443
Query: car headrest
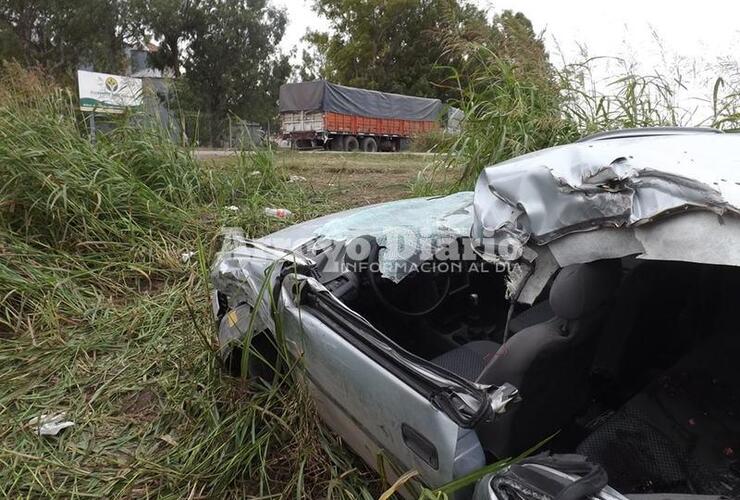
580,289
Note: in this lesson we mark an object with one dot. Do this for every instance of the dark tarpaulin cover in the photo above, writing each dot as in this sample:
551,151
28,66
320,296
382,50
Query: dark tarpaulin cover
321,95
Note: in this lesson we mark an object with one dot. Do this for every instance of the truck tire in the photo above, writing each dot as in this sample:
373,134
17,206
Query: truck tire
369,145
336,143
351,143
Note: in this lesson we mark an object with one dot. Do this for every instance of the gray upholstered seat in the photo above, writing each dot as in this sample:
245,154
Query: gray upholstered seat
548,362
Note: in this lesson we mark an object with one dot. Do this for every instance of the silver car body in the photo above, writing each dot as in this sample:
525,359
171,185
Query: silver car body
664,196
361,399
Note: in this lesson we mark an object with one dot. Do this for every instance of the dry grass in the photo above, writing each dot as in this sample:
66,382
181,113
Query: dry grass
102,320
346,180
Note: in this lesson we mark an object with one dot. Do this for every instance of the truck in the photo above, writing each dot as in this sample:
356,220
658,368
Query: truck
323,115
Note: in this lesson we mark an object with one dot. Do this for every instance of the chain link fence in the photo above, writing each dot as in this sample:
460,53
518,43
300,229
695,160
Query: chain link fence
230,132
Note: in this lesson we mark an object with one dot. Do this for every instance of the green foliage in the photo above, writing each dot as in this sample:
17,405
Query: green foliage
233,63
633,100
61,35
61,188
313,60
172,22
430,142
100,318
725,102
514,105
630,101
394,46
229,49
508,112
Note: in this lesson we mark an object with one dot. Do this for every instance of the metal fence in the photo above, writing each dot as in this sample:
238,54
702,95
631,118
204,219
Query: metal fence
207,130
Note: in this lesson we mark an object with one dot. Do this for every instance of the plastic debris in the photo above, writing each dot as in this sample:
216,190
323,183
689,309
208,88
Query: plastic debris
280,213
254,173
186,256
232,208
296,178
50,425
169,440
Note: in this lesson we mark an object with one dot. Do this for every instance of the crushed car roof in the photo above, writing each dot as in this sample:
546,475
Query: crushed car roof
621,182
656,196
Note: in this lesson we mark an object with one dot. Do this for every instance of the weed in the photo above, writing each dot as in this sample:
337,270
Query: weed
101,319
509,112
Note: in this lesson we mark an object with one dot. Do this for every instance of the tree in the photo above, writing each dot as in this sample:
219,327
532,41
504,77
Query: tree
313,62
515,40
233,64
393,45
64,34
414,46
172,23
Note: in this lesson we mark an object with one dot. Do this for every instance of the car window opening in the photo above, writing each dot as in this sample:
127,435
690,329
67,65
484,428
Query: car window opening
633,361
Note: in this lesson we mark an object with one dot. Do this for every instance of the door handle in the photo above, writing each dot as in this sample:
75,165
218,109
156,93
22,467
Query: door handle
421,446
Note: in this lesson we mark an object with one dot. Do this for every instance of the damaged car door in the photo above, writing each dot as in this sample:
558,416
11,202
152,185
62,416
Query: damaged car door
397,411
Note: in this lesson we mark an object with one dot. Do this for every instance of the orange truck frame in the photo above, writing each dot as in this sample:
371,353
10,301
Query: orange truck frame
321,124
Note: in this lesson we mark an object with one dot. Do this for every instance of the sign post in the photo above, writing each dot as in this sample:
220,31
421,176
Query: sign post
106,93
92,127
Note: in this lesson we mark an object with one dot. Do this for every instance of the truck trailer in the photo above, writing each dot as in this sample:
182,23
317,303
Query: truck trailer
320,114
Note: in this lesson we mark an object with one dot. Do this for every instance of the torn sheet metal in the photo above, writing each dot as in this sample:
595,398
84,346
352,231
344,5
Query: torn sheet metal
245,272
409,230
545,266
545,195
700,237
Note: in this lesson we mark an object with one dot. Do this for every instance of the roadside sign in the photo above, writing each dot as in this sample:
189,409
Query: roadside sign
105,93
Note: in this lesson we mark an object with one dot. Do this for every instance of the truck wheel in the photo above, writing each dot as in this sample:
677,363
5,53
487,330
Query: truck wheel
351,143
369,145
336,143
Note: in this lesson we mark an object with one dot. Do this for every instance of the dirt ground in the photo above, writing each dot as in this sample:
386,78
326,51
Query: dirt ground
356,179
350,179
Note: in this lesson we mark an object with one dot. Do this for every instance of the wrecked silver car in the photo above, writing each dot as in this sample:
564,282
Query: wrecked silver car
583,296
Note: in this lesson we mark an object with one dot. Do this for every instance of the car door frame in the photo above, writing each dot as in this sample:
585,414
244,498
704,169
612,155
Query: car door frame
381,399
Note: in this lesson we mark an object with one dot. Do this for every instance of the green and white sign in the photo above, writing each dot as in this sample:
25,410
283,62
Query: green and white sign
106,93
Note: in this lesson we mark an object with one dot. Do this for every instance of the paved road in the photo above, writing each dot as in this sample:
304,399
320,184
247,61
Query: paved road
205,154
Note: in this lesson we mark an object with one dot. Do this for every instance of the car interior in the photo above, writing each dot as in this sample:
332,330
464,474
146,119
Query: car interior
634,364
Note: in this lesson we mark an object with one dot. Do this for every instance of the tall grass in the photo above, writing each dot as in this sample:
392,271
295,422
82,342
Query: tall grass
507,113
61,189
510,111
101,319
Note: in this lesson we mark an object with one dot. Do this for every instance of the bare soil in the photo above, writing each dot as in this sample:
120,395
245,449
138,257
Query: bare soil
356,179
351,179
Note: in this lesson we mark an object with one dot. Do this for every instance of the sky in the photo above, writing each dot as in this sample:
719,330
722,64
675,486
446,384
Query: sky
651,35
696,30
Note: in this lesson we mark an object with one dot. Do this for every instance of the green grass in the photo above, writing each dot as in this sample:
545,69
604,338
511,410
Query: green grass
101,319
510,112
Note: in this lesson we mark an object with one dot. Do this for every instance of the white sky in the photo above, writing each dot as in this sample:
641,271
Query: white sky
693,29
693,35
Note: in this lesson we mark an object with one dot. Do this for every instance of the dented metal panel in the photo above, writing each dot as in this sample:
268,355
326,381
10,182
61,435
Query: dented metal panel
244,271
701,237
545,195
